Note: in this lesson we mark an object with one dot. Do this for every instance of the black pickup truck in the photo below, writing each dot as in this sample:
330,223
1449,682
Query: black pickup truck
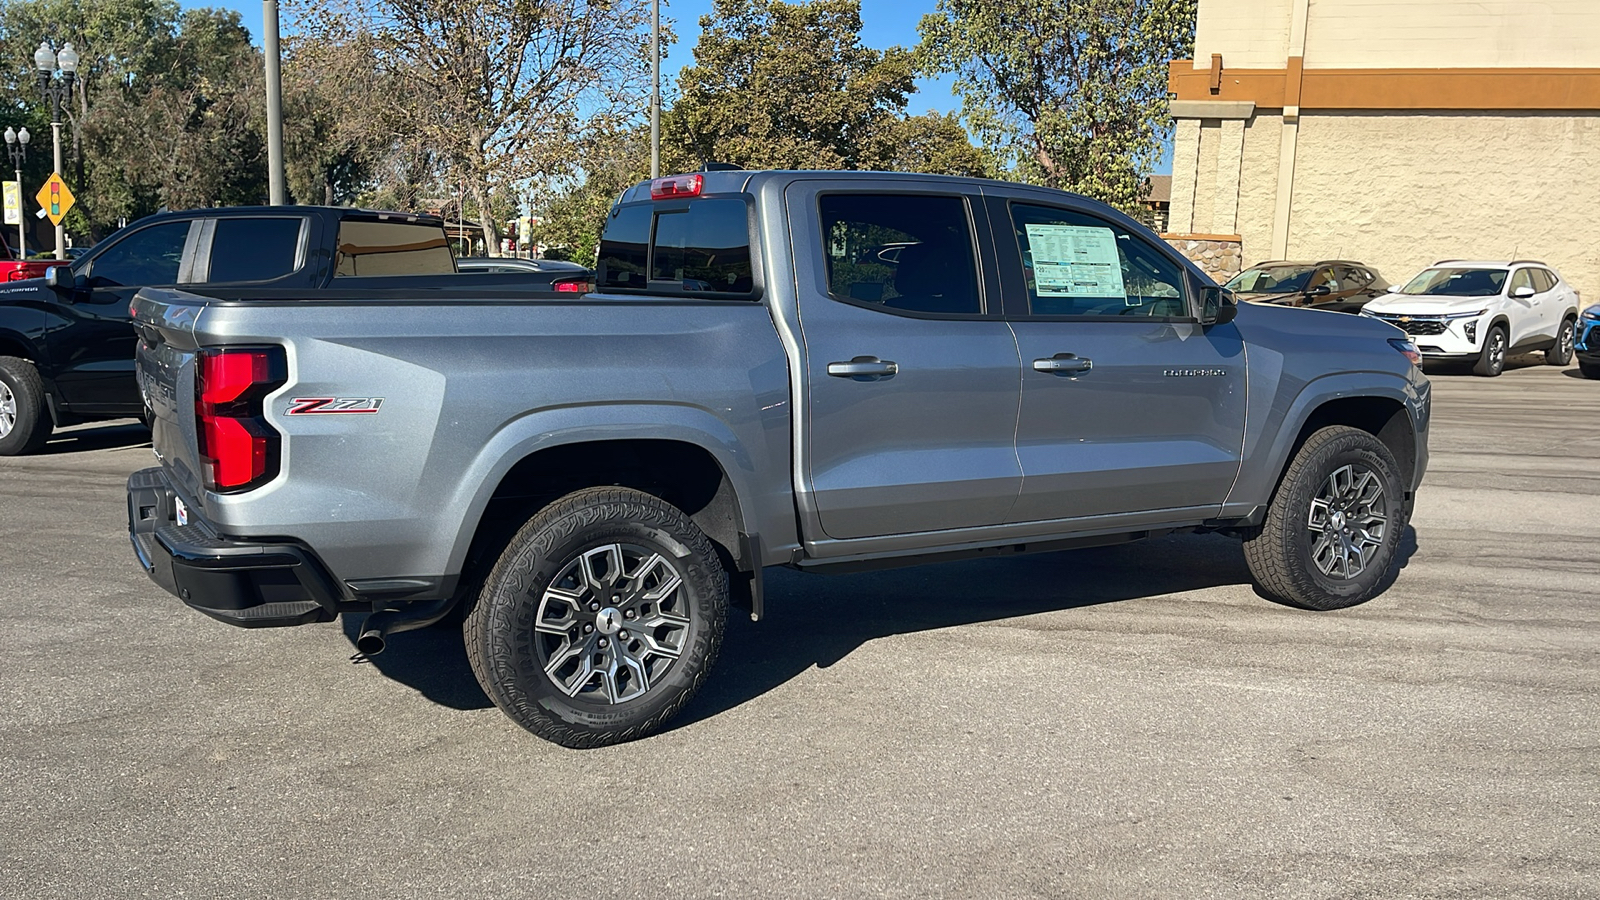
66,342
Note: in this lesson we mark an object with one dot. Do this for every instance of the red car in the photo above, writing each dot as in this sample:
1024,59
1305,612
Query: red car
14,269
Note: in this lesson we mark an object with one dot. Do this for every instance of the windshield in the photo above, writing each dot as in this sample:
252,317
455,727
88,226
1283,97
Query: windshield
1457,283
1271,279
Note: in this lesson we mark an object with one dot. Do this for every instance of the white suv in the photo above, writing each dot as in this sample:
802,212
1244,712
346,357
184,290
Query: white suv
1481,311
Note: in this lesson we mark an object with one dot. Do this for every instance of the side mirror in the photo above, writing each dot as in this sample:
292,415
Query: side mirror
1320,290
1523,293
66,285
1218,306
1392,289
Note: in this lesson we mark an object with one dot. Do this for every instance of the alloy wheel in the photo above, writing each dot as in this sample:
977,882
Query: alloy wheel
1348,522
1497,351
1565,338
8,409
612,623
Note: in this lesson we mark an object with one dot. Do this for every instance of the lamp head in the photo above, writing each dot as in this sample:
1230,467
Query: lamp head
67,59
44,58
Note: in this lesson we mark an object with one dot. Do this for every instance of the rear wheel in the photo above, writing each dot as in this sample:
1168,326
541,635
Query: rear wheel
1560,353
24,418
601,618
1334,524
1492,360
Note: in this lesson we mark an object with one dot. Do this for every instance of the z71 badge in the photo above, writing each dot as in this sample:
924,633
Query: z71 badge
317,406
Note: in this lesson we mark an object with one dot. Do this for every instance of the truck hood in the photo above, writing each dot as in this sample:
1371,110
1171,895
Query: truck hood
1409,305
25,286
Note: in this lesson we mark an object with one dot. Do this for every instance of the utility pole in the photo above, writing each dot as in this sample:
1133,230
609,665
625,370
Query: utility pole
655,88
269,46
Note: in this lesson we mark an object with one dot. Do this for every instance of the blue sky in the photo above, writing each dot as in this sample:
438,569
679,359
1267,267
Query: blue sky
884,23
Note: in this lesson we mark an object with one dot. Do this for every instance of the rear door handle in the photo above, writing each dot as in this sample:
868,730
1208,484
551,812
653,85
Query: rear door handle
1063,364
864,368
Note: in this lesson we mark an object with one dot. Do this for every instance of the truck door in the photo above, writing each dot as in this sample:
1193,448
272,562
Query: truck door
95,352
911,375
1131,411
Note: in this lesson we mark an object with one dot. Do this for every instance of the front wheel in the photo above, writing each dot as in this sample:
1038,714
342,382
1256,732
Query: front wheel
1492,360
601,618
1330,537
24,418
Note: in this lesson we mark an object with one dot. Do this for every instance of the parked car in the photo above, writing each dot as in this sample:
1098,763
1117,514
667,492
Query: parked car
594,480
1587,343
560,275
1481,312
66,342
1336,285
15,268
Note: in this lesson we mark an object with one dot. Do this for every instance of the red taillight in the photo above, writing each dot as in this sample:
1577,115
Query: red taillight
577,287
237,447
676,186
18,275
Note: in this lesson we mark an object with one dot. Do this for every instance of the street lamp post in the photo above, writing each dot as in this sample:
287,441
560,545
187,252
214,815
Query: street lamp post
17,147
56,92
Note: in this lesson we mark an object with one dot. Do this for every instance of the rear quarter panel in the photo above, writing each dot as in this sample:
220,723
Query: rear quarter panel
470,388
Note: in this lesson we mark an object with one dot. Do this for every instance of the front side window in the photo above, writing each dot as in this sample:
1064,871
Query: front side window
1271,280
1523,278
1456,282
149,256
910,252
699,247
1078,265
254,249
376,247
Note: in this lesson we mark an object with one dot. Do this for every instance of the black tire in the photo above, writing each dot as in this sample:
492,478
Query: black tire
24,419
1492,359
1560,353
1589,370
1294,562
609,548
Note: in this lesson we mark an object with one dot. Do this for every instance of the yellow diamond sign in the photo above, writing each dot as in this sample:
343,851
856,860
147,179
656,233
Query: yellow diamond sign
55,199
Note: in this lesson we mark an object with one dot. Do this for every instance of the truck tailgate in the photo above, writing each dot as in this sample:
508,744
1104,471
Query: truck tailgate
165,365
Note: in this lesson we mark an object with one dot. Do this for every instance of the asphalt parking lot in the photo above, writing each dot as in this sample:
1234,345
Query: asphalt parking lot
1125,722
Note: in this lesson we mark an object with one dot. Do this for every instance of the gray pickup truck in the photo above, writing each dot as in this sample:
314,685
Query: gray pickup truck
818,370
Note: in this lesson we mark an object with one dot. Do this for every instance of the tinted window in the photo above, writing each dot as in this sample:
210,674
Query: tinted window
903,251
1543,280
625,248
1079,265
149,256
1353,279
705,247
1271,280
254,249
372,247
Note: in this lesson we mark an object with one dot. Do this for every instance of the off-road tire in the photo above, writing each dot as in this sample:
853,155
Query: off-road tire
24,417
1589,370
1280,555
506,650
1492,359
1560,353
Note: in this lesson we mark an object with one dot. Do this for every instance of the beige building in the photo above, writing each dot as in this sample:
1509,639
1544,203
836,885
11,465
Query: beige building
1395,132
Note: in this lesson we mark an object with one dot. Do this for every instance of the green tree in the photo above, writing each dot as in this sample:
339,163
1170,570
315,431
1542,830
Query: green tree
1068,93
493,94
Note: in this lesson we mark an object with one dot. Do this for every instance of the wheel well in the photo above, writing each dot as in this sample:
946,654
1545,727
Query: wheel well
12,347
1382,417
683,474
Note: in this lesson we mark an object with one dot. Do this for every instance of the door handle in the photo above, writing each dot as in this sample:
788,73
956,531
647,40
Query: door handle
863,368
1063,364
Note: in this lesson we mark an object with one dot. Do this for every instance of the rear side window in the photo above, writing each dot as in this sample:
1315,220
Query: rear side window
701,247
1543,280
372,247
254,249
901,251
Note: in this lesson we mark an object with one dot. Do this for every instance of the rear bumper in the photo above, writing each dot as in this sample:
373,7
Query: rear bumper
245,583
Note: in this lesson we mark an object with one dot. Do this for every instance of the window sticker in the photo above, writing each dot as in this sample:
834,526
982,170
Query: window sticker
1076,261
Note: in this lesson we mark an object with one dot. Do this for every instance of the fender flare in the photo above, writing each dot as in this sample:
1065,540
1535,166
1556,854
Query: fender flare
544,429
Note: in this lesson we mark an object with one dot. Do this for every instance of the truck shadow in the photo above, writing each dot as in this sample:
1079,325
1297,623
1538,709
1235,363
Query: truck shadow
818,620
84,438
815,620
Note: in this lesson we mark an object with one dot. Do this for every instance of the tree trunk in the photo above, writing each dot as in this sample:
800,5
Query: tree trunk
491,234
